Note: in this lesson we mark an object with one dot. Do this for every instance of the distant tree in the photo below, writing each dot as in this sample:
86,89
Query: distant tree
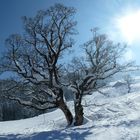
35,58
128,80
103,60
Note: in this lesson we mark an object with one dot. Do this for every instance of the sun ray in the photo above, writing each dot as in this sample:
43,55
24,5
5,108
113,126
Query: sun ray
129,25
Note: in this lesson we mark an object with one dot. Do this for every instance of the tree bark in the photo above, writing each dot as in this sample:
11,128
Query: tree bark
50,78
79,118
79,114
66,111
62,105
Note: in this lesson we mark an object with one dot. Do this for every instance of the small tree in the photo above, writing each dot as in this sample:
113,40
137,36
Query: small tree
128,80
34,57
102,61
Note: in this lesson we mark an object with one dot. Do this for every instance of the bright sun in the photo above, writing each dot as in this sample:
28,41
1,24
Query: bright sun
129,26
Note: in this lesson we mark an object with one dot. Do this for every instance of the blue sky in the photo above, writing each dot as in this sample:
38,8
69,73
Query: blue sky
90,14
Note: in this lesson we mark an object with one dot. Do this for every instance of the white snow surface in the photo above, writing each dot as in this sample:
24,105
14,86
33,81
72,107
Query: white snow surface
112,117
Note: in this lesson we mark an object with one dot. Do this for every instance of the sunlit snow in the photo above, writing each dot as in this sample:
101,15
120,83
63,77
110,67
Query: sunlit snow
115,116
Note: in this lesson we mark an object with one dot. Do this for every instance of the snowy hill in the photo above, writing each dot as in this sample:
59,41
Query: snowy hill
112,117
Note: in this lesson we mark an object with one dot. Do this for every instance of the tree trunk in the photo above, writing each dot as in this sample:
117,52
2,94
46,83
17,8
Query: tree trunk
50,78
66,111
62,105
79,115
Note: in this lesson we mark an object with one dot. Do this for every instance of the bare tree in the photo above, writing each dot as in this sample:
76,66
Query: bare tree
34,57
103,60
128,80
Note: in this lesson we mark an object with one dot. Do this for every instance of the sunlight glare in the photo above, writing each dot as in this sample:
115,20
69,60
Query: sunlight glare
129,25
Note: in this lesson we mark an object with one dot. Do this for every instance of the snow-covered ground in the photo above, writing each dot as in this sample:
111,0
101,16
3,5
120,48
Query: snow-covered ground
112,117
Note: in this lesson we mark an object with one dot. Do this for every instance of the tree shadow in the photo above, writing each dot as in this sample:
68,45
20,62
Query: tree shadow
51,135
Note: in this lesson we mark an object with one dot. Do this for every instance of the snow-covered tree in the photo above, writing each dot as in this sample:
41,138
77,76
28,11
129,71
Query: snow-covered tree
34,56
103,60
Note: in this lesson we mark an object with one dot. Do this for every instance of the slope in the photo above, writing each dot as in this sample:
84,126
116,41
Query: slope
115,116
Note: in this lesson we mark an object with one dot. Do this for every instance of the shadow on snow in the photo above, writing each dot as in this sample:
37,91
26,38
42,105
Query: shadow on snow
51,135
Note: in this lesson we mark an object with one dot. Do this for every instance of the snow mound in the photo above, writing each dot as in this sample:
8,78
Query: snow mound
119,84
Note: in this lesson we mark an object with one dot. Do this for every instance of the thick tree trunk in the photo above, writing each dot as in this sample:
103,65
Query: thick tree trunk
66,111
62,105
79,115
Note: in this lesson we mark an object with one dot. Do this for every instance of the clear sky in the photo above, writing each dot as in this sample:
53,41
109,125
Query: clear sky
90,14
